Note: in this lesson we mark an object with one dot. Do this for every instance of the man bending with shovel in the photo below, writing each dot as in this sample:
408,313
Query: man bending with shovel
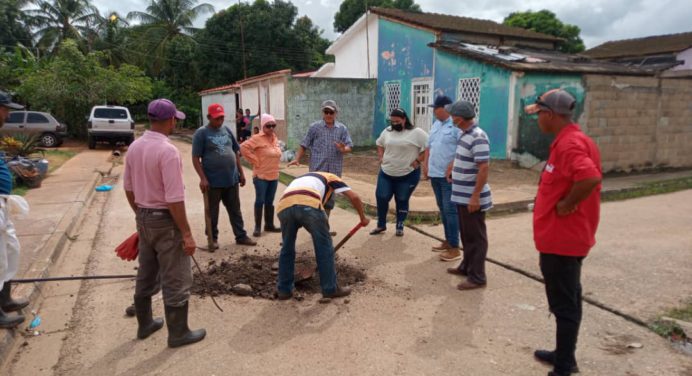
302,205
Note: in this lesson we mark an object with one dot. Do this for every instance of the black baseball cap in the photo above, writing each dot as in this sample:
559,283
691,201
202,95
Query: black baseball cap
6,101
441,101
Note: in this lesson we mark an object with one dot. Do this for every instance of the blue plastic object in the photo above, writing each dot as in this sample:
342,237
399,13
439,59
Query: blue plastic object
104,188
35,322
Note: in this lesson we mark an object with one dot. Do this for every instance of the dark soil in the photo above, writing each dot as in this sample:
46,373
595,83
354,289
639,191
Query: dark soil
257,272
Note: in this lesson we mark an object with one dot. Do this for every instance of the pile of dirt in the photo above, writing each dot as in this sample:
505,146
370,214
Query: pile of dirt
253,275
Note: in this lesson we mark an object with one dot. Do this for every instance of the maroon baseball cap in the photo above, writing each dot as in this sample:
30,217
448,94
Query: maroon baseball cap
163,109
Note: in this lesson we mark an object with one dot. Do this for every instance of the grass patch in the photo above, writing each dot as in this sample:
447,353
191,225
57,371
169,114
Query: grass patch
649,189
19,190
57,158
670,329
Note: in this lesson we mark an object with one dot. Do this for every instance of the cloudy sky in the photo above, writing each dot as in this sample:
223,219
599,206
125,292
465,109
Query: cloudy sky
599,20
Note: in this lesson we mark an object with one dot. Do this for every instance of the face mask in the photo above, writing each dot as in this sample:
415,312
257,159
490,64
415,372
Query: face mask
397,127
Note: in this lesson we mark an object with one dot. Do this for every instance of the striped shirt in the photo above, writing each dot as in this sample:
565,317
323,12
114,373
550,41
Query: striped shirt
321,140
473,148
313,189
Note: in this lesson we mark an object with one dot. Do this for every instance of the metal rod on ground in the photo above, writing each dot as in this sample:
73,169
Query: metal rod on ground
204,282
76,278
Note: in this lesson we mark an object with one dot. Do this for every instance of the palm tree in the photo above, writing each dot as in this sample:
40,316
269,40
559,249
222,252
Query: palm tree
110,36
58,20
163,21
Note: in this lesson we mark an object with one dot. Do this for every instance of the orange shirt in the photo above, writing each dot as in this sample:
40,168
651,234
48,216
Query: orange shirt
264,155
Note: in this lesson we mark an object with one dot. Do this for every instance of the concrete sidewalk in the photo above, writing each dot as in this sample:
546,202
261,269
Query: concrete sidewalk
508,200
55,209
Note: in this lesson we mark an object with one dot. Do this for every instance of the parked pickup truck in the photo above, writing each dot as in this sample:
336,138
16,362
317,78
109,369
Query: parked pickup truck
111,124
51,131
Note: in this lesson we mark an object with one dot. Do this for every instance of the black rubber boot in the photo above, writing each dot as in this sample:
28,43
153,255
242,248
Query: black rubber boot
178,332
269,219
7,303
8,322
258,221
147,324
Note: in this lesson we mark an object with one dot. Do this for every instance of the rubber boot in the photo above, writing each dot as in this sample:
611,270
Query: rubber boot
269,219
178,332
7,303
8,322
147,324
258,222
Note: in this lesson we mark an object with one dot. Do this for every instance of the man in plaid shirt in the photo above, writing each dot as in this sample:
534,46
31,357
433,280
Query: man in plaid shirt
328,141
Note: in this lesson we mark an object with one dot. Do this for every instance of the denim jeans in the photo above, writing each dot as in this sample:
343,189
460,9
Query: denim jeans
401,187
448,209
562,276
265,190
315,222
231,200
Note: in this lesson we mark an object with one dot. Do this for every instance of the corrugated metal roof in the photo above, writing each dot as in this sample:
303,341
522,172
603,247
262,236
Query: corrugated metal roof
450,23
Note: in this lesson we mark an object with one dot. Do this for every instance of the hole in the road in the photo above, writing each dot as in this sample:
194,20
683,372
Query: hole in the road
259,274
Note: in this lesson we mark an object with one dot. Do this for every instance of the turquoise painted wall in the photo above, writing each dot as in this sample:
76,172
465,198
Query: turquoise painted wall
494,94
402,56
529,87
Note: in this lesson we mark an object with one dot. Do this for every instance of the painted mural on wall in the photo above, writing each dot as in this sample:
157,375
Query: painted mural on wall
485,85
529,88
404,57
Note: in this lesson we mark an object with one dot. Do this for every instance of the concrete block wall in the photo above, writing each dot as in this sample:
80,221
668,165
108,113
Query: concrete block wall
639,123
355,98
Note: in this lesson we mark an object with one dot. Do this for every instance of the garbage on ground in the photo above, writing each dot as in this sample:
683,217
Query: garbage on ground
29,171
104,188
35,322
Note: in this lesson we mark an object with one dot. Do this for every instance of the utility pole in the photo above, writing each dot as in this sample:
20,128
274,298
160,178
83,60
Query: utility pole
242,39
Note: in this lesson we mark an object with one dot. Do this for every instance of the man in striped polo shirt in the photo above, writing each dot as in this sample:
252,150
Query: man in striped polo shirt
471,193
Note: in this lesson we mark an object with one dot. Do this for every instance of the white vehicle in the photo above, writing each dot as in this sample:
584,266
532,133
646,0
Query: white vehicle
111,124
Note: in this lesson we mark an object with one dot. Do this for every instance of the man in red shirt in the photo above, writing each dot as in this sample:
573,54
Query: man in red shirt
565,220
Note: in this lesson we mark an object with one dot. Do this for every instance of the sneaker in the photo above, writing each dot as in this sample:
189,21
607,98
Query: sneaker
548,357
245,241
451,254
339,293
442,247
399,232
468,285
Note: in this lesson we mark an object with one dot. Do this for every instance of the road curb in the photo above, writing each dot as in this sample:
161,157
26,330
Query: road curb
50,251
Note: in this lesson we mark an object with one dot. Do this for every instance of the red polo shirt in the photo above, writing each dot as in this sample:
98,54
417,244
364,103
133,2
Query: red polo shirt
573,157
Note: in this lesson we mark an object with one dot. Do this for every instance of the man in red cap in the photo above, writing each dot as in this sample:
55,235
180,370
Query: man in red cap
216,157
153,182
565,219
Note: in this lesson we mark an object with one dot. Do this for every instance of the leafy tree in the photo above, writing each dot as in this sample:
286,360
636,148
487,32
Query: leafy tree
58,20
13,25
351,10
71,83
112,37
546,22
273,39
14,64
163,21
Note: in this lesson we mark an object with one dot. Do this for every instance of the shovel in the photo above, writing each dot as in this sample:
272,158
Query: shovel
207,221
306,272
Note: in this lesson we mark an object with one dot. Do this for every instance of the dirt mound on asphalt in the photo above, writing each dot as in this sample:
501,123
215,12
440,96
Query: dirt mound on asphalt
252,275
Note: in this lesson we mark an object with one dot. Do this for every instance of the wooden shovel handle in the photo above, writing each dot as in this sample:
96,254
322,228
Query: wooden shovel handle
348,236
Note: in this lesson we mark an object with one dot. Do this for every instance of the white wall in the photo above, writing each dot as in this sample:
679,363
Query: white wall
227,100
276,99
249,98
687,57
350,51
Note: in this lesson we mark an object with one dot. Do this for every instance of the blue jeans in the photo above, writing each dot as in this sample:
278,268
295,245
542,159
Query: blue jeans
401,187
315,222
265,190
448,209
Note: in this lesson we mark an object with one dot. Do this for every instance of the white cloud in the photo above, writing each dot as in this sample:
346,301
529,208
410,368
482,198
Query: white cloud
600,20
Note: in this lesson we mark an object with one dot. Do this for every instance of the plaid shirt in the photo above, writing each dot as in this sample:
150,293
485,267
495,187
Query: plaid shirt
324,155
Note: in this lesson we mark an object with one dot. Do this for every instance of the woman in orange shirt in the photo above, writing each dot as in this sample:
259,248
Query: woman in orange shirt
263,152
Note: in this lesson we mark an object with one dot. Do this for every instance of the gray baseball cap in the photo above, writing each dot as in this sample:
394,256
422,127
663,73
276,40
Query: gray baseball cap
330,104
463,109
556,100
6,101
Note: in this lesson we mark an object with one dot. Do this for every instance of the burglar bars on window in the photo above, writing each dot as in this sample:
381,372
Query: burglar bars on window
393,95
470,90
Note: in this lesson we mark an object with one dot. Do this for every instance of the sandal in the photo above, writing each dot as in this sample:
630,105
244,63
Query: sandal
378,230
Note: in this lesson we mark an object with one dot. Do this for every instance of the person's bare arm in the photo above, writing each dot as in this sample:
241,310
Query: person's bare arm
241,172
448,172
203,182
358,205
481,180
579,192
177,210
380,153
424,164
299,156
131,200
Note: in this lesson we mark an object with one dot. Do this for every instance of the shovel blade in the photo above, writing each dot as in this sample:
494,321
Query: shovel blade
303,273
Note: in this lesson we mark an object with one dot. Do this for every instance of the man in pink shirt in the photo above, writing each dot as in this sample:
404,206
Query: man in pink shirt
154,187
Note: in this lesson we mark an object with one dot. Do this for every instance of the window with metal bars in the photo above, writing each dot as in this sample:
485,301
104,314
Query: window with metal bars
392,92
470,90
